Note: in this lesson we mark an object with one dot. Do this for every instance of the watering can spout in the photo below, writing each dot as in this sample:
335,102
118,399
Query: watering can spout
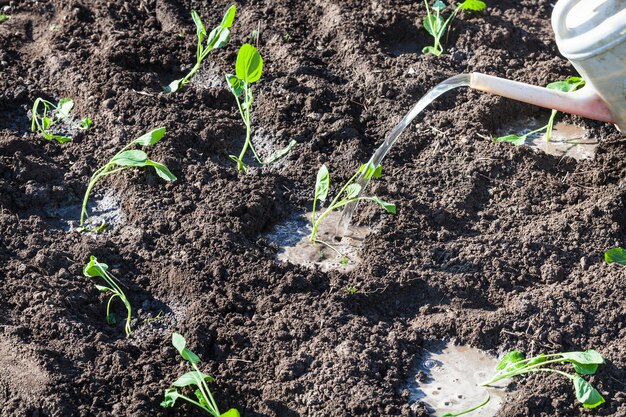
591,34
585,102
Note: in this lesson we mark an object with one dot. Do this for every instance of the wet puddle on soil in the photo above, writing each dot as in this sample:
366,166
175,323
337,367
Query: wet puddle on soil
292,239
102,208
566,140
447,381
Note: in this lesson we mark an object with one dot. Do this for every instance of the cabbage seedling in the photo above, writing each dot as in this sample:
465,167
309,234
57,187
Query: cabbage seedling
125,159
568,85
248,69
98,269
204,398
347,194
4,17
584,363
46,114
615,255
436,25
215,39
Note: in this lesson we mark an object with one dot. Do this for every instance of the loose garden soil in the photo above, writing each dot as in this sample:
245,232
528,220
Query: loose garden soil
493,246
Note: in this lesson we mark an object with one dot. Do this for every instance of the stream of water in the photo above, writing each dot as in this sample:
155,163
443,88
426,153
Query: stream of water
461,80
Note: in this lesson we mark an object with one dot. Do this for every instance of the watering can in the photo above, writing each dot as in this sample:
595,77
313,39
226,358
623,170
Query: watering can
592,35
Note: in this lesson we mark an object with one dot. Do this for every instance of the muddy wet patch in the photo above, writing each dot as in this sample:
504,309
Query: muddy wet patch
566,140
294,246
103,209
447,380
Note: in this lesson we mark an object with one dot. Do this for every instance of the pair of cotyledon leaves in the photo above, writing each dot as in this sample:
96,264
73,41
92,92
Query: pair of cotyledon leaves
138,158
322,185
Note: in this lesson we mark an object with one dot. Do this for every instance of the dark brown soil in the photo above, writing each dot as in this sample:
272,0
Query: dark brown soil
493,246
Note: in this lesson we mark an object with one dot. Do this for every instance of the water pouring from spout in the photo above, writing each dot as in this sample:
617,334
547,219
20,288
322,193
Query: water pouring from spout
591,34
462,80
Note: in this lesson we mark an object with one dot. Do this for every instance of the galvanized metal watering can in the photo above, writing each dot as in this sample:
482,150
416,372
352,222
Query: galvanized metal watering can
592,35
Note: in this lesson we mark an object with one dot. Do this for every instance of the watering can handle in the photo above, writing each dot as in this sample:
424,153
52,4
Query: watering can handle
560,12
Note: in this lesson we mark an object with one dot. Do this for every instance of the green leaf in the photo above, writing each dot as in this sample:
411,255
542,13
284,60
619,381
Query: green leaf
249,65
541,358
189,378
438,5
322,183
95,268
474,5
586,362
60,138
235,84
617,255
514,139
279,153
586,393
568,85
369,170
433,25
390,207
173,86
102,288
353,190
188,355
584,369
218,38
161,170
229,17
178,341
64,107
45,123
171,394
85,123
230,413
588,357
511,359
200,30
151,137
132,158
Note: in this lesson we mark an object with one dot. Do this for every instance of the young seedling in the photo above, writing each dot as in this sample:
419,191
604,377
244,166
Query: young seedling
126,159
204,399
98,269
217,38
615,255
436,25
46,115
248,69
568,85
584,363
4,17
347,194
